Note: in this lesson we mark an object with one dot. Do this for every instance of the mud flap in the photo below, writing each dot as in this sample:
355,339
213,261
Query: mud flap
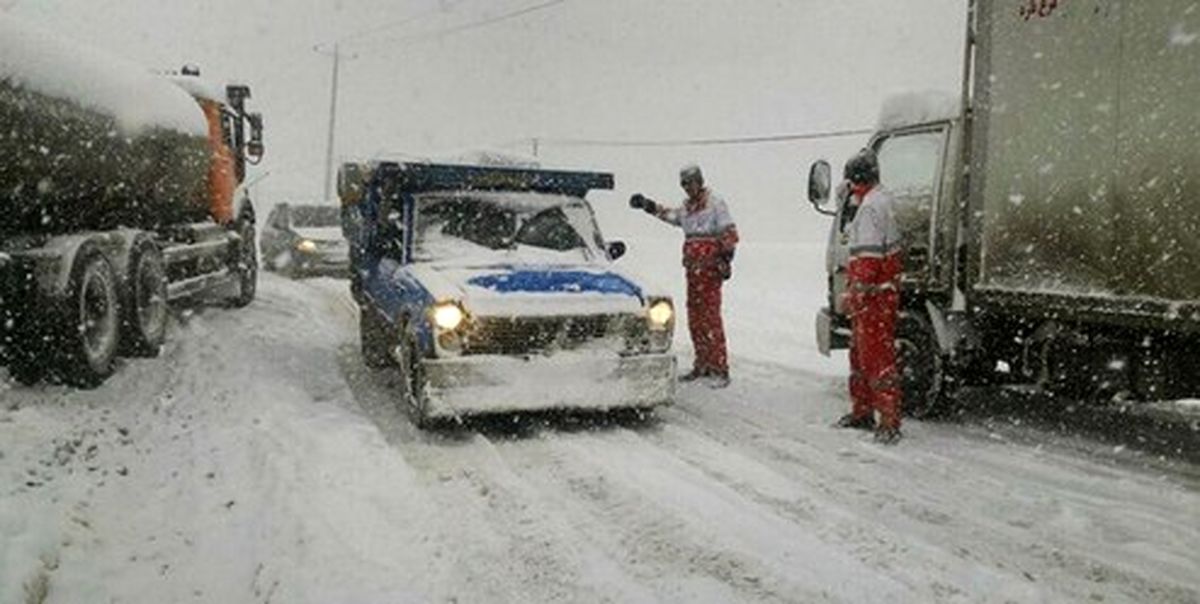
830,335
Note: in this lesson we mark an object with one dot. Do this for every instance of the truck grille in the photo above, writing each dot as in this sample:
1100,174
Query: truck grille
525,335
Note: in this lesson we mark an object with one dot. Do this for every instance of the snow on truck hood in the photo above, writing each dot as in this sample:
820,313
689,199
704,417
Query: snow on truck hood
504,290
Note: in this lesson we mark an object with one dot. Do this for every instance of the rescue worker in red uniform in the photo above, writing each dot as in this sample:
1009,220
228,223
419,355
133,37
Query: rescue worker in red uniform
873,302
710,238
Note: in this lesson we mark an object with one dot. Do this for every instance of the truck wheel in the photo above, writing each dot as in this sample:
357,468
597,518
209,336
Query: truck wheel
145,303
412,367
373,335
245,265
922,367
91,321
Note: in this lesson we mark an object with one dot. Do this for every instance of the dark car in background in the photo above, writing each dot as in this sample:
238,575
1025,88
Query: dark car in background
305,239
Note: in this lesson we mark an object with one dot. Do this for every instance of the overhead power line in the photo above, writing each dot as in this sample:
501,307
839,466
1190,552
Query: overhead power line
700,142
488,21
443,7
350,40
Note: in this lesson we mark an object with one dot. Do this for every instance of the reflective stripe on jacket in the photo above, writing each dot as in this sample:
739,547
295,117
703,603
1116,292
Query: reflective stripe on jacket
708,228
875,260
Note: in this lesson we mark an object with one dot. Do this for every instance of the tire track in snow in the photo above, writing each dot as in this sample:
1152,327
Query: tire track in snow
689,536
943,490
498,540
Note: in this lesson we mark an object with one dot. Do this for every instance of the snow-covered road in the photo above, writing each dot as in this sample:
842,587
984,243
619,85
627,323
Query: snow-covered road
256,460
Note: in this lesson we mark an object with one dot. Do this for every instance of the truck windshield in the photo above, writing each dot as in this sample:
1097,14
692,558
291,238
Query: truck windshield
909,165
460,226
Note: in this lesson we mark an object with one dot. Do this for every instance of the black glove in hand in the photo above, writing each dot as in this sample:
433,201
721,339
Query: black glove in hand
639,201
725,264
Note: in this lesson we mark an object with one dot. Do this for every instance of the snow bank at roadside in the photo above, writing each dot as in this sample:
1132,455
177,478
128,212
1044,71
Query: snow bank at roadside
43,62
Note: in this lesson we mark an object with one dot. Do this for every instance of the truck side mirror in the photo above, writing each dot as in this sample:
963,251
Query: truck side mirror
255,147
616,249
820,179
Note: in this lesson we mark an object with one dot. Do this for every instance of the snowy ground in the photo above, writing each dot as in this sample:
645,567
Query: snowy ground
257,461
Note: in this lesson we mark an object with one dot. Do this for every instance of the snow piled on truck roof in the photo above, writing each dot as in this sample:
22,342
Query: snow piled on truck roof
199,88
44,63
914,108
488,158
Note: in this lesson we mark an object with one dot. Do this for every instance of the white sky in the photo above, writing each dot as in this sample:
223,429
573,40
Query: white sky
611,69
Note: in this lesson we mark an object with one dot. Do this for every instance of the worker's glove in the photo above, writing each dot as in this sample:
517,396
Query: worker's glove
640,202
725,264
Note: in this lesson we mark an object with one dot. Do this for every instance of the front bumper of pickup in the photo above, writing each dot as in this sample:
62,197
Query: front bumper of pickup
568,380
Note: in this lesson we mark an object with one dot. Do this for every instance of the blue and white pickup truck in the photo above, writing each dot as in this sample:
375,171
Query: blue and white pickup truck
493,291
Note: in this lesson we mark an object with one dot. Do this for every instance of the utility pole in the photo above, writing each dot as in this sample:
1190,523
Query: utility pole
333,98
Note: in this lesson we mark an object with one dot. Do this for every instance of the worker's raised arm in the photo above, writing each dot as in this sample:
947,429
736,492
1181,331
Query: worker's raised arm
649,206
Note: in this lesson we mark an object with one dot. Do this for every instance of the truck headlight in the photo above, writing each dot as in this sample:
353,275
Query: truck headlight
448,316
660,314
307,246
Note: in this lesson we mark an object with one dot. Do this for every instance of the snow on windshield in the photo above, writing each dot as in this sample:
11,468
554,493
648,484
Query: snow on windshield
495,226
44,63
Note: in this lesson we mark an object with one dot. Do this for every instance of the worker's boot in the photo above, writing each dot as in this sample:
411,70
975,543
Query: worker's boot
865,422
888,435
718,379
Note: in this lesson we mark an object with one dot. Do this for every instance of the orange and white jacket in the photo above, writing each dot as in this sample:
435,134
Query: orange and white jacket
708,229
874,237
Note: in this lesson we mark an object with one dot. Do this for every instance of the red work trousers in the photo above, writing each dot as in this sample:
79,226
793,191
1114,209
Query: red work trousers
704,321
874,377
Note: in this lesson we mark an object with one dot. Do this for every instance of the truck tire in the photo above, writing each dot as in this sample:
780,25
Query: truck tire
89,325
373,335
144,327
922,367
244,264
412,369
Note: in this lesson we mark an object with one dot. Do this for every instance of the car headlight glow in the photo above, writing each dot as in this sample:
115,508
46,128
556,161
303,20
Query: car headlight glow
660,314
307,246
448,316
